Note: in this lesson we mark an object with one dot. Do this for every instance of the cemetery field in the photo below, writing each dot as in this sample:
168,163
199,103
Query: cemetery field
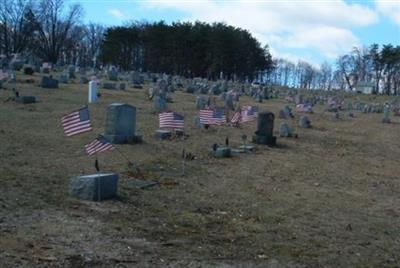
329,198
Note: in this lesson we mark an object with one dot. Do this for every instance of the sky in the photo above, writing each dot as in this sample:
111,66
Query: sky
310,30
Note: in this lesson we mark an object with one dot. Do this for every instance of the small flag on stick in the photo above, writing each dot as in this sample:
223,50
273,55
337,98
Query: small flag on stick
100,144
212,117
76,122
171,120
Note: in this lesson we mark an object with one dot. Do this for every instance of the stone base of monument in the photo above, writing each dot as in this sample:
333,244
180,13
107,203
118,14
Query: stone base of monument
247,148
110,86
26,99
163,134
385,120
94,187
117,139
222,152
265,140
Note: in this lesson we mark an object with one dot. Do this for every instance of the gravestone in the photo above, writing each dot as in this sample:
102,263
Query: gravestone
196,122
94,187
201,102
284,130
83,80
63,78
71,71
191,89
92,92
48,82
159,104
113,74
122,86
265,127
386,111
229,103
28,70
220,152
110,86
121,124
136,79
16,65
285,113
25,99
162,134
304,122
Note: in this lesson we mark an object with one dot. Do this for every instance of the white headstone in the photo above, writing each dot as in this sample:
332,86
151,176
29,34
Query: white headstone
92,91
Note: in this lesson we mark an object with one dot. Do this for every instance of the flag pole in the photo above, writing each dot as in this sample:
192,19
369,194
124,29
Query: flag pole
98,180
130,163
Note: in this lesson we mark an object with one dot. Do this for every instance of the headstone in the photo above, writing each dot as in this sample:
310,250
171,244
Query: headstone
159,104
17,65
285,113
265,127
25,99
92,92
201,102
284,130
71,71
48,82
94,187
113,74
196,122
386,111
229,103
28,70
63,78
110,86
304,122
83,80
221,152
162,134
190,89
121,123
122,86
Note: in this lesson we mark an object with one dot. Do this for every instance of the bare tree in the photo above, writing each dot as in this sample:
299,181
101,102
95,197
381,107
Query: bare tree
55,27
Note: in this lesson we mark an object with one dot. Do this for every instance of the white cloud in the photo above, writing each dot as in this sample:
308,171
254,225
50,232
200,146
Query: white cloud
322,25
116,13
389,8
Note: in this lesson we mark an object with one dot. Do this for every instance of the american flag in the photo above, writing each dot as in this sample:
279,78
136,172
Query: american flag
76,122
3,75
212,117
100,144
249,113
236,118
171,120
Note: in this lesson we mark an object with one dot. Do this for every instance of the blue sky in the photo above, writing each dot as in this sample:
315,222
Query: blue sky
311,30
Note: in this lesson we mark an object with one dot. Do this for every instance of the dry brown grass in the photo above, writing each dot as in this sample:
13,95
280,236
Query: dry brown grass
327,199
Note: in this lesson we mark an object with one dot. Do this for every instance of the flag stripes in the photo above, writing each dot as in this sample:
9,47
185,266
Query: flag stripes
100,144
76,122
171,120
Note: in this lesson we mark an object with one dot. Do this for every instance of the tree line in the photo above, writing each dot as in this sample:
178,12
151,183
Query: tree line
187,49
52,31
374,65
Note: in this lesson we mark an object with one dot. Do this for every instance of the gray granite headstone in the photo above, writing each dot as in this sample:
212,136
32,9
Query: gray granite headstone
94,187
196,122
304,122
48,82
63,78
265,127
71,71
122,86
25,99
201,102
386,111
110,86
159,104
113,74
284,130
120,123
